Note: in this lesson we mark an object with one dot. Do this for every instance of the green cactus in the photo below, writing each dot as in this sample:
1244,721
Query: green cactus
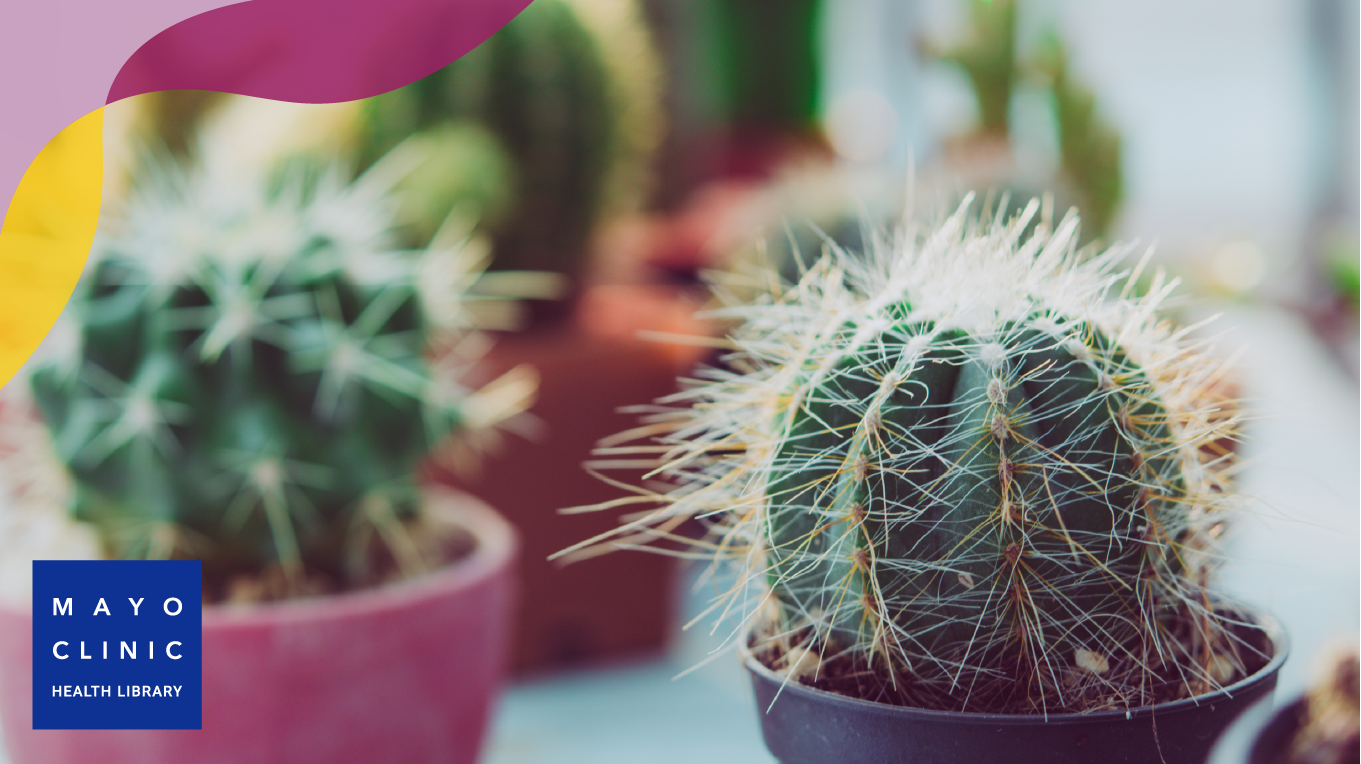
541,87
961,461
767,62
989,60
1089,146
247,381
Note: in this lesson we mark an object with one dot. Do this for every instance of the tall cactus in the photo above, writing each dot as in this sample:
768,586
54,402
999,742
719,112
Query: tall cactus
1089,146
963,462
989,60
541,87
246,381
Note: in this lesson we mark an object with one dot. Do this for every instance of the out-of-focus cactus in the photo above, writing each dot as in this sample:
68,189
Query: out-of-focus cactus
968,464
989,60
1089,146
1328,731
244,377
546,94
767,62
174,117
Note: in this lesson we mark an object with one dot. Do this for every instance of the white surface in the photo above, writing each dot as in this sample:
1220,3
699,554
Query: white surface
639,712
635,714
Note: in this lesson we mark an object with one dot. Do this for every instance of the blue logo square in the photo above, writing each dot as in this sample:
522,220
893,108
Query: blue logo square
117,644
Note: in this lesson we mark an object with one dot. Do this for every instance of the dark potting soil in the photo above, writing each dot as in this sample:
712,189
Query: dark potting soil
1248,651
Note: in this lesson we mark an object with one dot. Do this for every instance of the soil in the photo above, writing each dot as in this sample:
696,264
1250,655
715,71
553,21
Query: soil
436,542
1014,691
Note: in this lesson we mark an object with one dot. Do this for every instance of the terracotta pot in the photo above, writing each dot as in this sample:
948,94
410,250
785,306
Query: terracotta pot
803,725
615,605
403,673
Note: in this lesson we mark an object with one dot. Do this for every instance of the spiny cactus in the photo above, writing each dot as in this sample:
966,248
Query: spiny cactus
965,463
244,378
541,88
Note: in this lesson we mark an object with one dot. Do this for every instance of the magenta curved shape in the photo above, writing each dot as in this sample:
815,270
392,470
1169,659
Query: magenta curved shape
311,51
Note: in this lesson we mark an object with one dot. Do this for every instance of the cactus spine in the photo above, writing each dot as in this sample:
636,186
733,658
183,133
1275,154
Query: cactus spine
963,463
246,382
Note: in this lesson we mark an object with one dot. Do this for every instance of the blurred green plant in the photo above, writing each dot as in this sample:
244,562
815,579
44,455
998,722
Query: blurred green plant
174,116
767,61
556,128
1089,146
1343,267
988,57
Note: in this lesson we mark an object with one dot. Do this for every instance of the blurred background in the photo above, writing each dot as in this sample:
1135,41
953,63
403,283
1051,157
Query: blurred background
612,151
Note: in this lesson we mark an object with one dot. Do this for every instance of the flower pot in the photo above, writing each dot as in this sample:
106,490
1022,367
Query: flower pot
803,725
611,606
1259,736
1319,726
402,673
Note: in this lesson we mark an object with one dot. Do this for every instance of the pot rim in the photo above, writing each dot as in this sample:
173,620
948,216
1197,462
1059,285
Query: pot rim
1280,644
497,545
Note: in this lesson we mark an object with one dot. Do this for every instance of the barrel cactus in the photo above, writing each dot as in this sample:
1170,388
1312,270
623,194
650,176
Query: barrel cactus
965,468
543,89
244,376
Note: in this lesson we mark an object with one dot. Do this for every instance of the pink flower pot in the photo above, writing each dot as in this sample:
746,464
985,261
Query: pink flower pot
404,673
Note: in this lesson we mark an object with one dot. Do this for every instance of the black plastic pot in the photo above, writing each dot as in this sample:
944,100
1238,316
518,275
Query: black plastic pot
808,726
1260,736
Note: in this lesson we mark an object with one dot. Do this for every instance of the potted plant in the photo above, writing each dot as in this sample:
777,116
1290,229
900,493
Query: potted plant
1320,728
971,487
244,377
565,102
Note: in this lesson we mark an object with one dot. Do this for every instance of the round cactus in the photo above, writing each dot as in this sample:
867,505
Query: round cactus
244,377
963,464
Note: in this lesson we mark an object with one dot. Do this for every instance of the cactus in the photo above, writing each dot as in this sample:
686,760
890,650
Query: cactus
1089,146
1325,730
966,464
244,378
541,87
989,60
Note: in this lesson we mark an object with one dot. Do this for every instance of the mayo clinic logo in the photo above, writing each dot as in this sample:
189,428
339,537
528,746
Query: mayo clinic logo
117,644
